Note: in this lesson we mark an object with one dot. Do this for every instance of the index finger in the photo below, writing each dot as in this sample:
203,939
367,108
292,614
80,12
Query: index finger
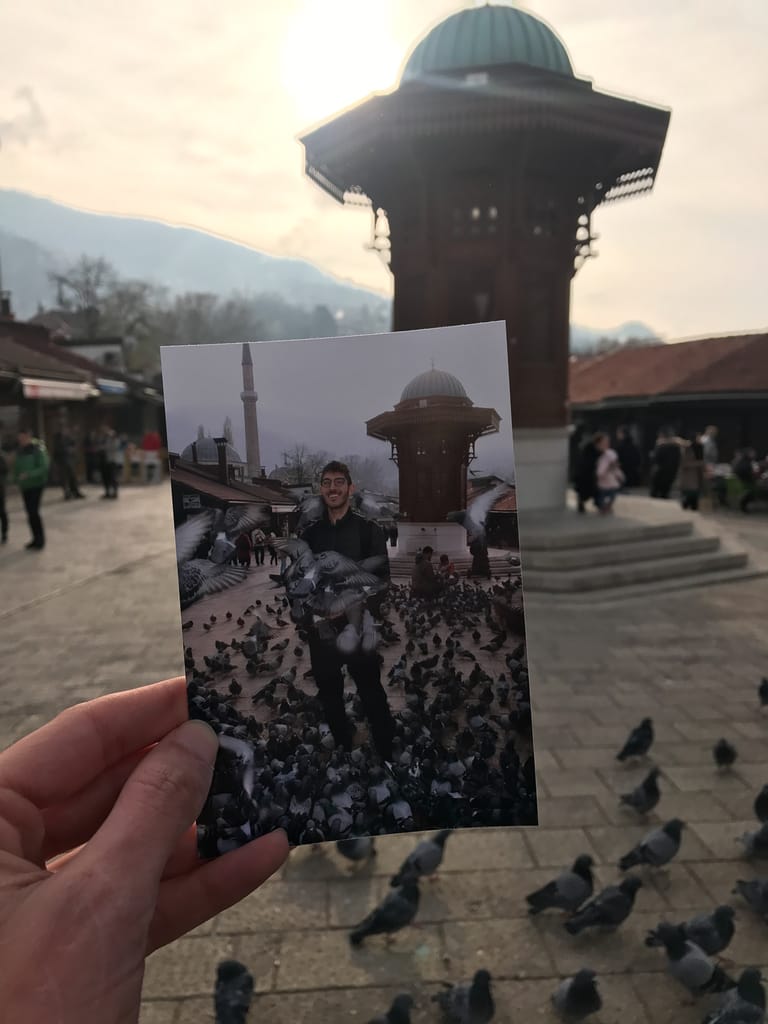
60,758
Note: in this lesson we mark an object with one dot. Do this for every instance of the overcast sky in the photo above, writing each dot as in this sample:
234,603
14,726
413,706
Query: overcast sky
189,112
321,392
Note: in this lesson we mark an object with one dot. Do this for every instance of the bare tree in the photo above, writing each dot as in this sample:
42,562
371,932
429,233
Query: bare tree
302,465
84,287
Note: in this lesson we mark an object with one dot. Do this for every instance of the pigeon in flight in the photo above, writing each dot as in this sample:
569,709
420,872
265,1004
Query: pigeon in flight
229,523
474,516
200,576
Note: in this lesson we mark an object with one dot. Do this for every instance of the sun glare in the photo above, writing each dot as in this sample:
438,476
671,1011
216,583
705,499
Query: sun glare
336,52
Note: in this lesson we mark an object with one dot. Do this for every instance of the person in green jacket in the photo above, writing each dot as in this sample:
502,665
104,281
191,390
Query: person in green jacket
30,472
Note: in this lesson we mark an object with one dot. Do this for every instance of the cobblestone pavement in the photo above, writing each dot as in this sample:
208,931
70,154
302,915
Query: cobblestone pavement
97,611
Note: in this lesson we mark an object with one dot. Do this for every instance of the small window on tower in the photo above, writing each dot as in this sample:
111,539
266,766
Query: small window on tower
422,403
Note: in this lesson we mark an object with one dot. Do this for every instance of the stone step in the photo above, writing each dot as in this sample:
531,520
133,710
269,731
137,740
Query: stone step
597,533
591,557
632,573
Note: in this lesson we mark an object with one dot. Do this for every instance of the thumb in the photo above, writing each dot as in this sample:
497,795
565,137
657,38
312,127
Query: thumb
157,804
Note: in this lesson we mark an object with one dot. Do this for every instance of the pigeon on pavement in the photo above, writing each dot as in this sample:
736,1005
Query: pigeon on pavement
233,992
761,805
577,998
724,753
396,911
756,843
425,859
398,1013
689,964
656,848
638,742
357,849
711,932
645,796
566,892
608,909
744,1004
468,1003
755,893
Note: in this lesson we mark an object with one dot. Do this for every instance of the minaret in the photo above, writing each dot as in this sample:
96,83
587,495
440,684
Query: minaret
249,397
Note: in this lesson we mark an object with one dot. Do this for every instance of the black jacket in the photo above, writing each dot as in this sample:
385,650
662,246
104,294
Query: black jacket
353,535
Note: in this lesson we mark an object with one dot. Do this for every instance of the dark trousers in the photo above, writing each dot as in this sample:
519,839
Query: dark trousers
258,552
691,500
109,478
661,485
32,496
67,478
3,514
366,673
272,556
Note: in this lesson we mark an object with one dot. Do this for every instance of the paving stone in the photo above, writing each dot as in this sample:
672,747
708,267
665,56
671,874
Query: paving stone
613,843
188,966
582,757
329,960
719,877
158,1013
616,952
691,778
351,900
575,782
571,810
487,848
666,1001
556,847
721,838
506,948
277,906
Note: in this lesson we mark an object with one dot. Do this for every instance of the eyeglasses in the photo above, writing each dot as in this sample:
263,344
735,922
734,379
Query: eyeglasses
340,481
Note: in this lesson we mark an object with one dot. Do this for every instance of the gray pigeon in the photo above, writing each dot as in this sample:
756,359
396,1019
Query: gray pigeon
645,796
756,843
608,909
755,893
711,932
577,998
744,1004
469,1003
638,742
566,892
761,805
689,964
200,576
233,992
396,911
398,1013
425,859
357,849
656,848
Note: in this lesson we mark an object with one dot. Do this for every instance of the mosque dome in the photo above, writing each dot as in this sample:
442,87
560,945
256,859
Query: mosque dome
482,37
207,452
433,384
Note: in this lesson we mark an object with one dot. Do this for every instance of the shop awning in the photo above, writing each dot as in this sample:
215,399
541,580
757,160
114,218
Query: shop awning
57,390
111,387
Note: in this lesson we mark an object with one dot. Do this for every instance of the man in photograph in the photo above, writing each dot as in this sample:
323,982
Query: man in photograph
344,530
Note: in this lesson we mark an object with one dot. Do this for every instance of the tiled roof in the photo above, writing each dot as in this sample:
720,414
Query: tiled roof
506,503
201,480
28,361
738,363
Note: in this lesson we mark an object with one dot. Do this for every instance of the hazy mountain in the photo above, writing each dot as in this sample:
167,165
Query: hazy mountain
38,235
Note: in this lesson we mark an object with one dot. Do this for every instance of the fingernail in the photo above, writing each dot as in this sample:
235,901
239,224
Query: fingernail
199,736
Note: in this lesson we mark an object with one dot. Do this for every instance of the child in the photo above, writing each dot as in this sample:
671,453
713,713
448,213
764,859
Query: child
609,475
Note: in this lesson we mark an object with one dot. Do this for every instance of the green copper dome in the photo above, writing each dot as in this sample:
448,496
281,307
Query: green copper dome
484,36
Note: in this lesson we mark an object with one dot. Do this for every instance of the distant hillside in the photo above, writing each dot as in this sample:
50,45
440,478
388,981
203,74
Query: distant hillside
37,235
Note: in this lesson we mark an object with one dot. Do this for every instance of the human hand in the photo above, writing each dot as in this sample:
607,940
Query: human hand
109,789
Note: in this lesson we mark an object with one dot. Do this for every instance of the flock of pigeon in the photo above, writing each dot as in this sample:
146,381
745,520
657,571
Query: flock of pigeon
691,948
462,751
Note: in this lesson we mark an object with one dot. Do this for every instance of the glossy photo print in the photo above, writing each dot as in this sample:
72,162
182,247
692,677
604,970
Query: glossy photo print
350,583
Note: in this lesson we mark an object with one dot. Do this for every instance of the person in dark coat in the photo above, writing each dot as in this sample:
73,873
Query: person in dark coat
64,455
3,513
743,467
665,462
691,473
630,459
424,580
344,530
585,473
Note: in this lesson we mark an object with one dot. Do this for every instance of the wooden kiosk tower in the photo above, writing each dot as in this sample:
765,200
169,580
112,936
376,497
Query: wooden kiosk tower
486,163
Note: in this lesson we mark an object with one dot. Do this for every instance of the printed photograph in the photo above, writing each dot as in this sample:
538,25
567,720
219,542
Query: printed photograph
350,584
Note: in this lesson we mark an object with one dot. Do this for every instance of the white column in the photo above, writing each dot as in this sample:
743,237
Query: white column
541,467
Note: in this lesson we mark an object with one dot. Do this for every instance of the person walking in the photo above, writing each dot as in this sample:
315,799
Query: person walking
30,473
608,473
271,548
630,459
64,451
744,470
691,473
344,530
665,462
584,476
3,512
244,549
259,540
111,461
